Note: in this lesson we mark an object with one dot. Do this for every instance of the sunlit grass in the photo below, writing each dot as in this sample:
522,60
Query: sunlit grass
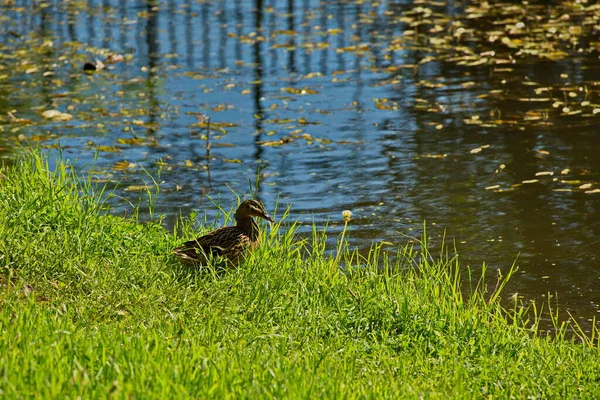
94,305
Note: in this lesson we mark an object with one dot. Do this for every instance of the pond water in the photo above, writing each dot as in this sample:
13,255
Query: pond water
481,120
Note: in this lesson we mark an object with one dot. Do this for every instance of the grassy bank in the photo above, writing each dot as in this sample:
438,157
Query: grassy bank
93,305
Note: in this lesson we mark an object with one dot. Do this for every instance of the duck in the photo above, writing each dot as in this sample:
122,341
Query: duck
230,242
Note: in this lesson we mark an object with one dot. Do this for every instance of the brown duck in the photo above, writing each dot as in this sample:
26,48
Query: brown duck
230,242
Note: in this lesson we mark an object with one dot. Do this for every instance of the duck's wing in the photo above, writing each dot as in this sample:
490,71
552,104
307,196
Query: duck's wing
220,242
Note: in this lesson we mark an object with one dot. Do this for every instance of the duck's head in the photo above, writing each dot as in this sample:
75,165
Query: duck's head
252,208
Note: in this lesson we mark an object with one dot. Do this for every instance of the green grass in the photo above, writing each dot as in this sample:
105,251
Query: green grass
96,306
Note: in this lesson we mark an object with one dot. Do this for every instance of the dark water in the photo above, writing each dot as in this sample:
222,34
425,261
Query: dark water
484,123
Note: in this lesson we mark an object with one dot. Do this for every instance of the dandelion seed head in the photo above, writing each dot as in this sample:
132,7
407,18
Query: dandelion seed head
346,214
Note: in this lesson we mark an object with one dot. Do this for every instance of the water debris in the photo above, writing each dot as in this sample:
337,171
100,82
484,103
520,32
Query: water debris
492,187
137,188
479,149
94,66
56,115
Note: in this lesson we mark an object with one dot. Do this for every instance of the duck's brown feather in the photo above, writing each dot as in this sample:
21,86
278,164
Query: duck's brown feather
230,243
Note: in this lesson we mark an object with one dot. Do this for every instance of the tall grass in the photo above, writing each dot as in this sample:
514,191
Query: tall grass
96,306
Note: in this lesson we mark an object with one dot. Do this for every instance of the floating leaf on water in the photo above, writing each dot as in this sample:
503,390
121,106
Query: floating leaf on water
535,99
188,163
565,171
478,149
114,58
272,143
285,32
432,156
280,121
130,141
530,181
108,149
492,187
56,115
123,165
303,121
544,173
136,188
222,144
571,182
585,186
232,160
299,91
592,191
276,142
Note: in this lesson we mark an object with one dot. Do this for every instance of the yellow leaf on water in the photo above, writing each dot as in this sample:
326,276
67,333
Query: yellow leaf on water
136,188
109,149
585,186
123,165
535,99
299,91
280,121
232,160
432,156
303,121
544,173
530,181
132,141
285,32
478,149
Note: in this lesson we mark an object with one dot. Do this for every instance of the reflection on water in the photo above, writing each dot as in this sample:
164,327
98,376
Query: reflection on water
400,114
